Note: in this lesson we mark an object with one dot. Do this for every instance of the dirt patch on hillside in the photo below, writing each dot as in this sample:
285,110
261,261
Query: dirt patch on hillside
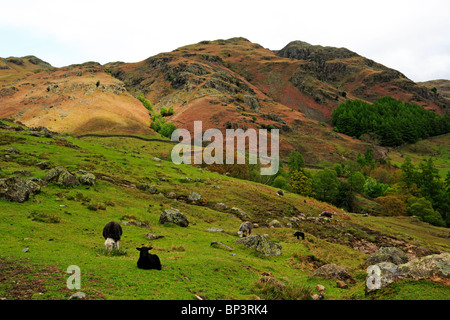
24,281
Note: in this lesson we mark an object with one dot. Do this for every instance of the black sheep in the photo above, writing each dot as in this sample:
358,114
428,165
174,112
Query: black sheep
299,234
112,233
147,260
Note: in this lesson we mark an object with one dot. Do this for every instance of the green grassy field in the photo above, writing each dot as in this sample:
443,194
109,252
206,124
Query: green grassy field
62,226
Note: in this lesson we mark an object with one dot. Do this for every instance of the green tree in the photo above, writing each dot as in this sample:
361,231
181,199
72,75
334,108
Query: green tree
374,188
295,161
423,209
357,181
345,198
326,185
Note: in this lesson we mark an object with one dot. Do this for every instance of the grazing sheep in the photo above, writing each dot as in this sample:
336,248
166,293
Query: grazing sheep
147,260
245,229
112,233
326,214
299,234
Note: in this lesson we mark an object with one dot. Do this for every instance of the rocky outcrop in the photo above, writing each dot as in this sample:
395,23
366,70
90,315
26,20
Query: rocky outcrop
301,50
62,177
15,189
88,179
387,254
148,188
382,274
262,244
240,213
333,271
174,216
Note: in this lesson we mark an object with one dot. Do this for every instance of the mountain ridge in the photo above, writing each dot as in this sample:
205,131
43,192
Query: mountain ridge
231,83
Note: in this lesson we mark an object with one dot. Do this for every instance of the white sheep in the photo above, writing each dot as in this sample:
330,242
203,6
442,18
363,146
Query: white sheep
245,229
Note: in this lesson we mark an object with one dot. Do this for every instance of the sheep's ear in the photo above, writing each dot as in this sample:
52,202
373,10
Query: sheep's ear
138,249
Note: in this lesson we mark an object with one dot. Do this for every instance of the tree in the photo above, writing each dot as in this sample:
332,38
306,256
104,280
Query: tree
295,161
357,181
326,185
423,209
300,183
345,198
374,188
409,172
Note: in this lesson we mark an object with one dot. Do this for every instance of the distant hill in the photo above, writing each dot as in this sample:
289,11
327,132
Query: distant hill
441,87
75,99
231,83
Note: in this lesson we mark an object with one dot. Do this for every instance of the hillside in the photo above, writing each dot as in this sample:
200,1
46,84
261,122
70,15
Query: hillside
75,99
61,226
441,86
230,83
82,145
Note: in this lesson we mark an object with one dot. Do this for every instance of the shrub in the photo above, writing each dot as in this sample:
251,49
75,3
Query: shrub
167,129
164,111
392,206
300,183
145,102
280,182
239,97
423,209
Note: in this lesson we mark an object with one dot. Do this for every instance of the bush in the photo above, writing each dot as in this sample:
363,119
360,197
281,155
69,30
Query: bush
392,206
167,129
280,182
164,111
374,189
145,102
423,209
300,183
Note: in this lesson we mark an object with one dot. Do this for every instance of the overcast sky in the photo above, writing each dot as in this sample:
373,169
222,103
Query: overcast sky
411,36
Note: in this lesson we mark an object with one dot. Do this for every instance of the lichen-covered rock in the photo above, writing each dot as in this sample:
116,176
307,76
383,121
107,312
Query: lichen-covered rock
333,271
436,265
275,224
240,213
15,189
62,177
87,179
195,197
67,179
262,244
425,268
388,254
148,188
174,216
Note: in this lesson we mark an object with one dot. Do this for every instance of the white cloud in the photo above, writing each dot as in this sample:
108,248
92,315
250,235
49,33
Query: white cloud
410,36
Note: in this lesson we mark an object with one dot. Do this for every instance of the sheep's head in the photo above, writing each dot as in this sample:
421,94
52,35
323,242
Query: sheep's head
240,234
144,250
110,244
